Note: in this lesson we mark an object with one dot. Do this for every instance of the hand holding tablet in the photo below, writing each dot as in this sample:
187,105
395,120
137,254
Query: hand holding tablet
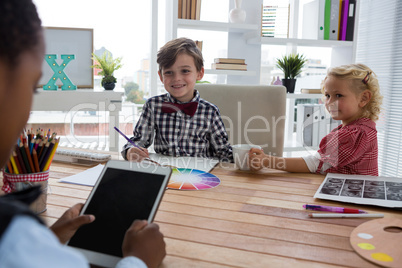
124,192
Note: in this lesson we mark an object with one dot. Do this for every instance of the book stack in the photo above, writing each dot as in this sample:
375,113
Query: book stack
229,64
275,21
311,90
329,20
199,44
189,9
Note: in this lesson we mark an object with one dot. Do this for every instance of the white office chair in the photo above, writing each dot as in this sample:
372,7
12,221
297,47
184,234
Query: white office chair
252,114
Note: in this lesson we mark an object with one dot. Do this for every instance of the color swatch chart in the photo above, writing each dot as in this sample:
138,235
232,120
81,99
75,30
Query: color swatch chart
192,179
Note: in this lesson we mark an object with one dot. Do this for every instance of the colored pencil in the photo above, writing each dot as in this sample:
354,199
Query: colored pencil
14,165
43,152
9,168
49,161
48,152
24,156
31,165
40,148
20,159
341,215
33,152
35,160
17,162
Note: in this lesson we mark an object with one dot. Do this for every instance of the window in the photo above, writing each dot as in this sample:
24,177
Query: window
379,39
123,28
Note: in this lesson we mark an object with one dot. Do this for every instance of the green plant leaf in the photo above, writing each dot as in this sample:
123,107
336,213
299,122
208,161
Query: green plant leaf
291,65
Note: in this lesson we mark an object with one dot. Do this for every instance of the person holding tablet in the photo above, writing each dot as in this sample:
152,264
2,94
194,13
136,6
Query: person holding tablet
24,239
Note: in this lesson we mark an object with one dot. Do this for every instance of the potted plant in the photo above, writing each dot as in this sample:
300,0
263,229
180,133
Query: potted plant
107,65
291,66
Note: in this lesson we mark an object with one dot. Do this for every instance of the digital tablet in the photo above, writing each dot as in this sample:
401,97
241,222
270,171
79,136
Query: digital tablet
124,192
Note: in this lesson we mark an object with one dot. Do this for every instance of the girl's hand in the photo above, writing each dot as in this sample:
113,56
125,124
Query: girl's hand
256,159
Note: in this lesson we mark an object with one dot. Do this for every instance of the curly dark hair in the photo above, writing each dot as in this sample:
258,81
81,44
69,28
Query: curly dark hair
20,26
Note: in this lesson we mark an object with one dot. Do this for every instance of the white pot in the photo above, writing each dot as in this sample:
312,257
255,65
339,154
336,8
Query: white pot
237,15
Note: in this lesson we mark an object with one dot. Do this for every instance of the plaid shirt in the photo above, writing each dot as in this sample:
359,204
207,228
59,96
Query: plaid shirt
351,149
178,134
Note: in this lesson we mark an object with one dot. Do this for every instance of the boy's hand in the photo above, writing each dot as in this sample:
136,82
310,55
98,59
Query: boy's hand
66,226
256,159
144,241
137,154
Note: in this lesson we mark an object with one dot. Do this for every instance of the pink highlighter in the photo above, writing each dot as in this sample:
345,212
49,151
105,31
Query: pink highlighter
333,209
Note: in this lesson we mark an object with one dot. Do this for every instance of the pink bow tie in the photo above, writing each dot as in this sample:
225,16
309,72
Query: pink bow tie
187,108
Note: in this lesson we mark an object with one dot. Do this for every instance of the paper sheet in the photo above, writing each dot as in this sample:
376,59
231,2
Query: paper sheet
90,176
204,164
359,189
87,177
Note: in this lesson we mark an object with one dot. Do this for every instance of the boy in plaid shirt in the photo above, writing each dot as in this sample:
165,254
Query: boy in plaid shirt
182,123
352,95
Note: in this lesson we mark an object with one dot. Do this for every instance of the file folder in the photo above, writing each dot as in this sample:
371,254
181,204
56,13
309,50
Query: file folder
334,22
351,20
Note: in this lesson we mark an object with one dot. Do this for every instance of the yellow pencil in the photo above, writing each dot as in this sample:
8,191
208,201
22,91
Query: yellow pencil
49,160
15,169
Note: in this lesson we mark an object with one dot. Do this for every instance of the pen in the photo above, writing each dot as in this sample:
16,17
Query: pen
333,209
331,215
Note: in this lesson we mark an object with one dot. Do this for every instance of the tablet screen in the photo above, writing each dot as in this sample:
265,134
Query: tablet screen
120,197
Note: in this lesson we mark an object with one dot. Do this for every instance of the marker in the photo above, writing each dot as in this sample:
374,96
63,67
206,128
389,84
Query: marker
331,215
333,209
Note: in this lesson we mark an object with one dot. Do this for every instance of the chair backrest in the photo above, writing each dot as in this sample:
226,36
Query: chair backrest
252,114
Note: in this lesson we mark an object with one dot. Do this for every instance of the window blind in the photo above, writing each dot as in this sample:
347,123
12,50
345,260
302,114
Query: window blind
379,40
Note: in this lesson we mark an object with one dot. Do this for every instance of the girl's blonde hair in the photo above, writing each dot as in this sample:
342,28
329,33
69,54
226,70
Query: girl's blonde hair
361,78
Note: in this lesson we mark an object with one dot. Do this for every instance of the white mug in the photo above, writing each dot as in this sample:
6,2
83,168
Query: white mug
240,155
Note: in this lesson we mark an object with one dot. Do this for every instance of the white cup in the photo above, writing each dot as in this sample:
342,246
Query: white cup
240,155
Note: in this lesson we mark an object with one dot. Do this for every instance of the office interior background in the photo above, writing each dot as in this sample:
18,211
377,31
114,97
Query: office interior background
134,30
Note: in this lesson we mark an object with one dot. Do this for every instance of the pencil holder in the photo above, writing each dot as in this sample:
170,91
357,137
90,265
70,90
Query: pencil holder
19,182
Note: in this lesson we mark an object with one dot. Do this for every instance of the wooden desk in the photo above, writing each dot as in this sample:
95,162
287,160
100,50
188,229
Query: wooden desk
250,220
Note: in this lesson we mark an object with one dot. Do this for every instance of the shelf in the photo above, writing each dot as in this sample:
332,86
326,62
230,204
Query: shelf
230,72
303,96
215,26
299,42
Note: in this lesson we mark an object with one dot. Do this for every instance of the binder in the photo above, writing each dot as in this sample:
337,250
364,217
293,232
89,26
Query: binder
311,124
322,128
304,131
313,20
334,22
308,126
316,116
327,19
351,20
344,19
321,13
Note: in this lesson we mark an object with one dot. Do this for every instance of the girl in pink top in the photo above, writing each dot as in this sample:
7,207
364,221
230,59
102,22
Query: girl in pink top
352,95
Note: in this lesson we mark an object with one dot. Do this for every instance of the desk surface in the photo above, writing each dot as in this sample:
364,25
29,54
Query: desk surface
250,220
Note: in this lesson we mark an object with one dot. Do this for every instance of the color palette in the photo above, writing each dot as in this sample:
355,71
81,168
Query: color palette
379,241
192,179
